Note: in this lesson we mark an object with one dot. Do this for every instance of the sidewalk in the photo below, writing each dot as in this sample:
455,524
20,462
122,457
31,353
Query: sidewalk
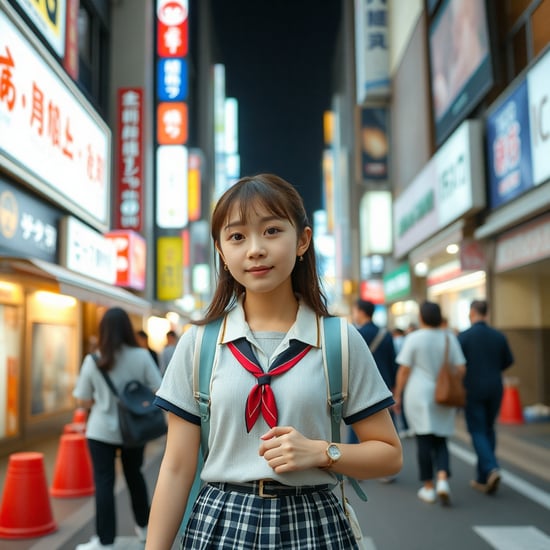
75,517
526,447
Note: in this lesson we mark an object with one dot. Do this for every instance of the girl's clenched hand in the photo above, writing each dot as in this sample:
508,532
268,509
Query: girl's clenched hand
286,450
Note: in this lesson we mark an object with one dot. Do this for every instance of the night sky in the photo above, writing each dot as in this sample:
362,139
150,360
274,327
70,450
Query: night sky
278,56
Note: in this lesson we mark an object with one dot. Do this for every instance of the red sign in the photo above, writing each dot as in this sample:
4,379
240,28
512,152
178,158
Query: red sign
131,251
172,28
372,290
172,123
70,61
129,197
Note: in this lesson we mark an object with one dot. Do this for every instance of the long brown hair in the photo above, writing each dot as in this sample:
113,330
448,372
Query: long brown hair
115,331
281,199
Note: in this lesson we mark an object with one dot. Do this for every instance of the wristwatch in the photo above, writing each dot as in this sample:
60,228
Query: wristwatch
333,453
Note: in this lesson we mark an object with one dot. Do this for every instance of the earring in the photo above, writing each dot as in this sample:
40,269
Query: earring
225,268
300,258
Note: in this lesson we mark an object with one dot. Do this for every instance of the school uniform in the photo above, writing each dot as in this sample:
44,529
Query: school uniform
229,511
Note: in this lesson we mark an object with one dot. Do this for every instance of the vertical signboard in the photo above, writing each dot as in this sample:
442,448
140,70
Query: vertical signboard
169,268
172,156
371,49
374,143
129,192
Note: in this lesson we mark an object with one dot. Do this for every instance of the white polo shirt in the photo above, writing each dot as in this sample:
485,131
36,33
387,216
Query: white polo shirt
301,395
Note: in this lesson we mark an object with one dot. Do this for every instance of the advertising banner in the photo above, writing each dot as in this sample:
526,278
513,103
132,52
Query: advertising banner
49,133
374,142
509,148
538,84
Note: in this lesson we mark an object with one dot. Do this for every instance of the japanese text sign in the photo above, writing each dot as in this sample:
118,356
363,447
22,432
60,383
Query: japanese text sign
49,130
172,79
129,194
172,28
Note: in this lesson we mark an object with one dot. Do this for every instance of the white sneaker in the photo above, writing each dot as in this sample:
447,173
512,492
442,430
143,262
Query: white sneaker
427,495
94,544
443,491
141,533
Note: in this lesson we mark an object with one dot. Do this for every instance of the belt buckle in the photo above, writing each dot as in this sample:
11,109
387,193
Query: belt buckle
261,491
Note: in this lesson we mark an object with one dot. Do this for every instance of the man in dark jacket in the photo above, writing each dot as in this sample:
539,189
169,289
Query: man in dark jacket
487,354
378,339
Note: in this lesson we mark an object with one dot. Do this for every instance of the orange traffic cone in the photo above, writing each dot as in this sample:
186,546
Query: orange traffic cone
73,473
511,411
80,416
74,428
25,511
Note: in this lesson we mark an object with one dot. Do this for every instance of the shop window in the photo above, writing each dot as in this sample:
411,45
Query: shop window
93,52
526,33
540,23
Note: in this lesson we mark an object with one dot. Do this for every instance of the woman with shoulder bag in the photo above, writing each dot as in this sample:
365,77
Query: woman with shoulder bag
121,358
420,360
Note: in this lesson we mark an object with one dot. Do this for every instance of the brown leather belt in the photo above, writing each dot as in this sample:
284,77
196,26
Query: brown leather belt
268,488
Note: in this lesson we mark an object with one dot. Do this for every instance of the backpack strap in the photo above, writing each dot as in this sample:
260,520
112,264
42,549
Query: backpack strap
377,339
206,348
335,348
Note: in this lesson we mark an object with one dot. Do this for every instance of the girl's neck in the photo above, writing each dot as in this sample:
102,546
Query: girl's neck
265,312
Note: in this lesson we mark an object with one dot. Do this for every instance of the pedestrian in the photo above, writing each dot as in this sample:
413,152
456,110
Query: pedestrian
168,351
401,419
269,295
487,355
123,360
380,343
143,341
419,362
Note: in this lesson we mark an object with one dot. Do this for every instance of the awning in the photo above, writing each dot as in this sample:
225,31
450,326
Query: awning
437,244
79,286
516,211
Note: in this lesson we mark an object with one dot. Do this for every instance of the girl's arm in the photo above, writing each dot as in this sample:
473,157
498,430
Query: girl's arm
174,482
378,454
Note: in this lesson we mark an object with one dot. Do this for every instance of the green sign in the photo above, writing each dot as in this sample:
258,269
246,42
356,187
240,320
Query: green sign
397,284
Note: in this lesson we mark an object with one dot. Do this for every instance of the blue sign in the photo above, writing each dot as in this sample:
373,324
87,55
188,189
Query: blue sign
28,226
172,79
509,148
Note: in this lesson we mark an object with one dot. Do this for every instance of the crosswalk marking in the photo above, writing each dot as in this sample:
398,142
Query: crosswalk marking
514,538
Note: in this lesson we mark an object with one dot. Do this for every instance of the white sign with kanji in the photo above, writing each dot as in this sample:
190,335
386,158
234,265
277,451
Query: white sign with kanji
49,133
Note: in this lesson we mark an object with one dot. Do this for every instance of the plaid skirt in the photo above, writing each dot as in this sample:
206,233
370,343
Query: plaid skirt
240,521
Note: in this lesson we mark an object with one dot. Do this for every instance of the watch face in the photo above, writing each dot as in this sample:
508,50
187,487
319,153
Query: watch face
334,452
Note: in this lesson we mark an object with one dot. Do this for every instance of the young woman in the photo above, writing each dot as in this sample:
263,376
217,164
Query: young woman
123,360
269,295
419,362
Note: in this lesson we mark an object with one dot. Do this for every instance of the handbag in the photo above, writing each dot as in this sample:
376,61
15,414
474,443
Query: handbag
139,419
449,389
353,521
